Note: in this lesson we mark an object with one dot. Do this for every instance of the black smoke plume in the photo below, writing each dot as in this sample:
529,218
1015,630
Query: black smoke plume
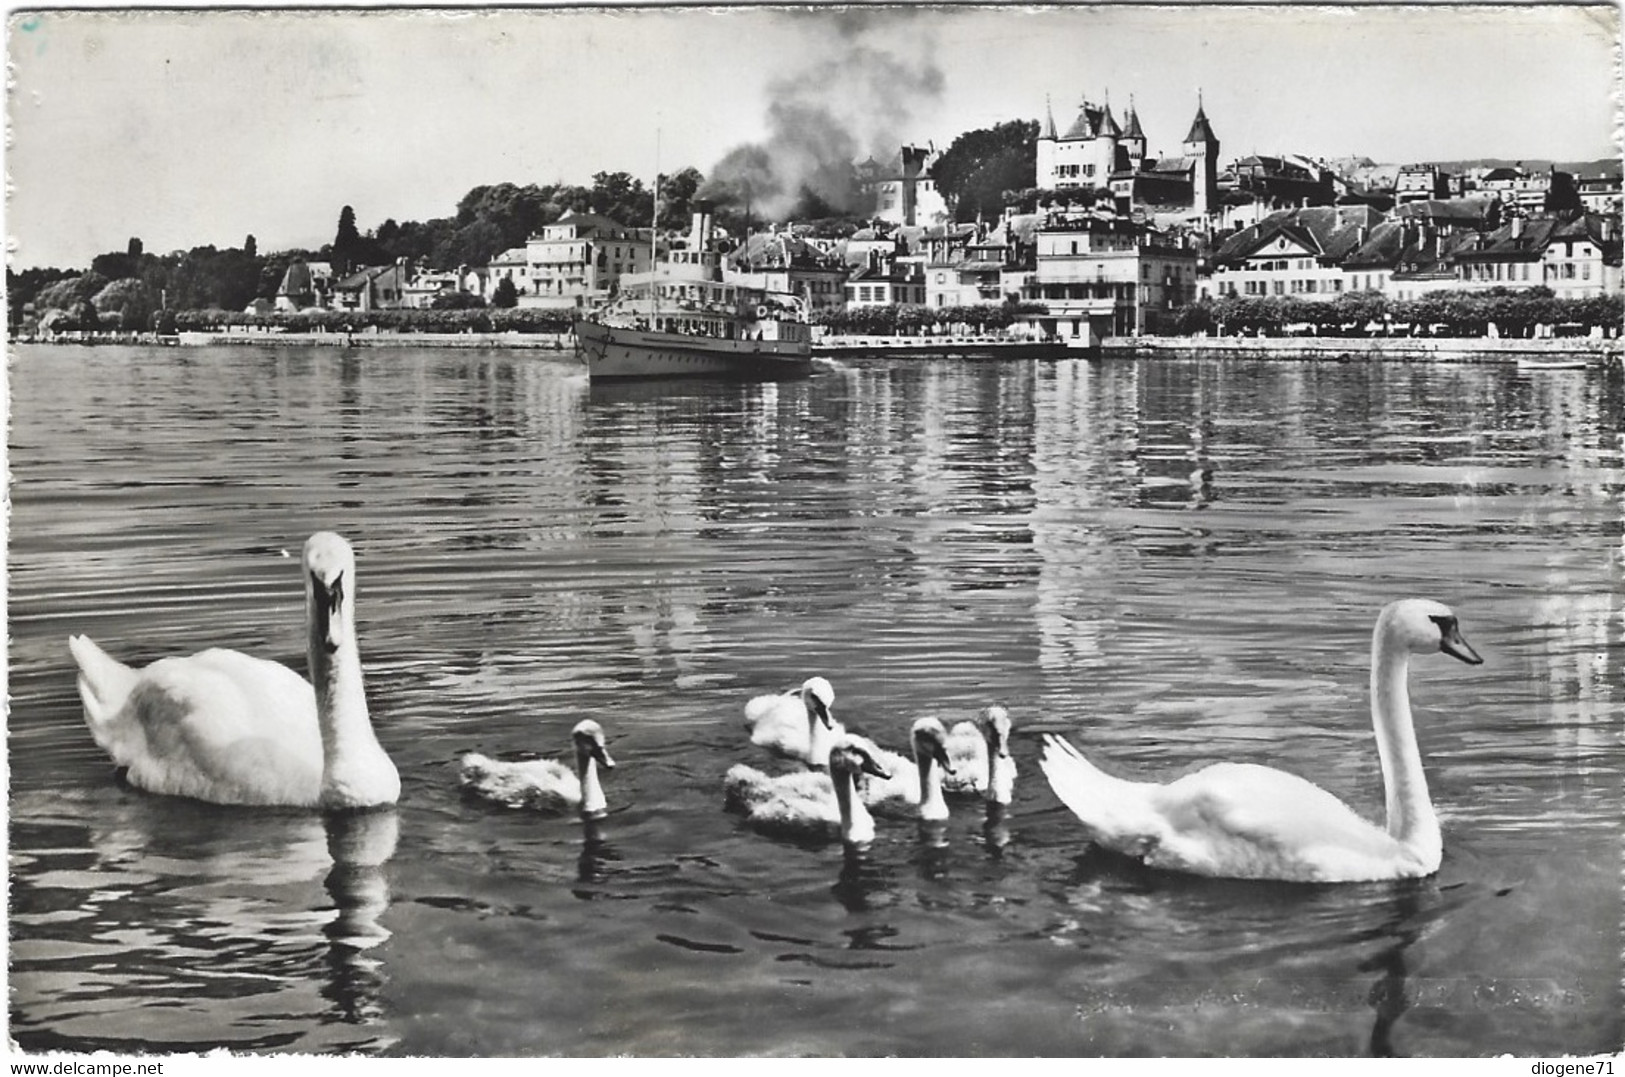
855,99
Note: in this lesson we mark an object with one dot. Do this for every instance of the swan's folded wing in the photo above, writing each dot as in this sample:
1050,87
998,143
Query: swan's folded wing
1114,811
536,784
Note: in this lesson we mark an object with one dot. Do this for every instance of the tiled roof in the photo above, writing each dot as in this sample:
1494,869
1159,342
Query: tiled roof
1201,130
1466,210
362,277
1380,250
1502,246
1090,122
1133,129
593,223
763,250
1332,233
1108,125
1169,164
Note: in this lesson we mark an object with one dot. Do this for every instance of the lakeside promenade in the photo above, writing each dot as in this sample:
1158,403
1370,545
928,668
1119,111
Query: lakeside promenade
1597,352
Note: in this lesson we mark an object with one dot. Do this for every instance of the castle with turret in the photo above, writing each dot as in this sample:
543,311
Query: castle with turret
1095,152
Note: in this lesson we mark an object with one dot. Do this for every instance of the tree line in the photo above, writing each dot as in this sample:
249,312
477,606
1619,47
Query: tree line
128,289
906,318
493,320
1513,312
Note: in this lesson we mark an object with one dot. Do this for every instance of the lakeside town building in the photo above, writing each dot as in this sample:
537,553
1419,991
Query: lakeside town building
578,261
1105,276
903,191
778,260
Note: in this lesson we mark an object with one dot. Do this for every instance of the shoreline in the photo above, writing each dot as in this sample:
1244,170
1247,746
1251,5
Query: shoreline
1595,352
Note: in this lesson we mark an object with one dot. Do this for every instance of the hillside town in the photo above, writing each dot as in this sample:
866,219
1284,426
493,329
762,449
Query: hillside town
1109,240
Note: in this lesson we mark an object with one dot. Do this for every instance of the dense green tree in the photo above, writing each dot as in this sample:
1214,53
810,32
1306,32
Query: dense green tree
348,251
113,265
621,197
506,294
677,193
473,244
84,315
1563,194
24,286
68,293
129,299
977,172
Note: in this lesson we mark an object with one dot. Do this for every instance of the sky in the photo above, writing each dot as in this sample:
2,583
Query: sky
192,127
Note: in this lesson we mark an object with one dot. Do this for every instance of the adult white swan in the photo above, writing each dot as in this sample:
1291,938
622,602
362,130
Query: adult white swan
542,784
226,728
1254,822
810,803
979,752
797,723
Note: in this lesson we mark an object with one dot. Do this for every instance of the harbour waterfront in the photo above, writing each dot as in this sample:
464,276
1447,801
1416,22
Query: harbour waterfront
1168,562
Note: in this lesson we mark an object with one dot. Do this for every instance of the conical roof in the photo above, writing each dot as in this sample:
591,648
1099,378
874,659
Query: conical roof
1133,121
1201,130
1108,126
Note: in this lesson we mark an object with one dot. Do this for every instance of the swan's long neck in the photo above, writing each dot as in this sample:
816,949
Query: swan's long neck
932,806
857,825
1001,773
1410,812
351,774
820,739
592,790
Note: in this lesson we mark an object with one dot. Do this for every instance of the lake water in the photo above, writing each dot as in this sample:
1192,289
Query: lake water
1170,563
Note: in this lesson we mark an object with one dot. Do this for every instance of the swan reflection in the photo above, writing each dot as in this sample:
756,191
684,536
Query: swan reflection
1389,996
862,883
596,854
996,829
361,844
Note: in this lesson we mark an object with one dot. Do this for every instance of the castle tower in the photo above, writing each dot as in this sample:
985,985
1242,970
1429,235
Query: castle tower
1107,134
1044,155
1202,145
1133,137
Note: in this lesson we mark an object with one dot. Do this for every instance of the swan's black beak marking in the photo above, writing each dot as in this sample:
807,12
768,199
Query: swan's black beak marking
1451,643
939,751
821,712
870,766
998,743
328,600
601,753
